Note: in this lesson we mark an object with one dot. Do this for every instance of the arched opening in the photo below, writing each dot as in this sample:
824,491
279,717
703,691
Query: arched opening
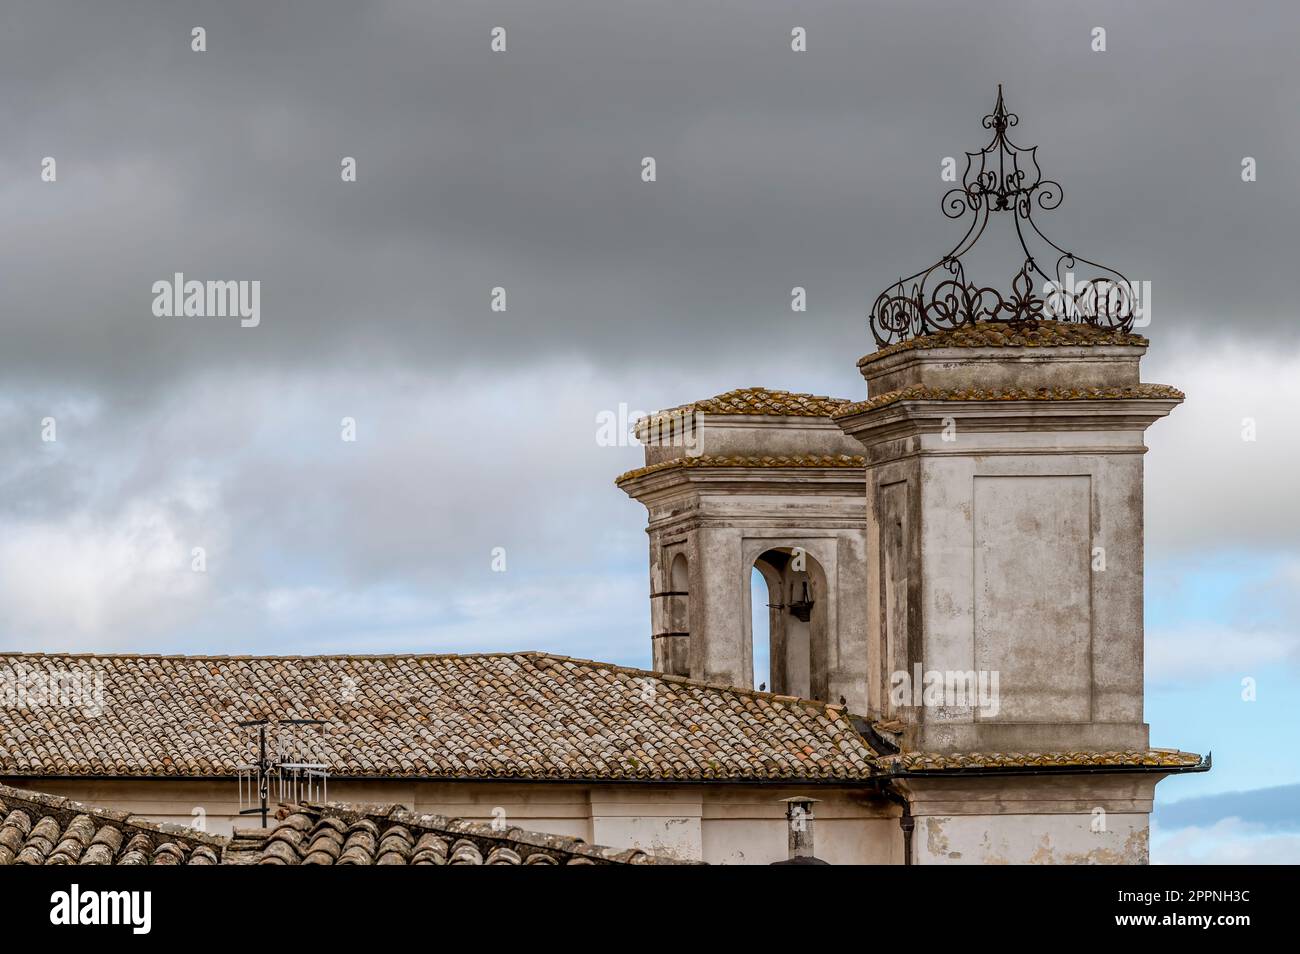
673,640
680,581
760,627
788,623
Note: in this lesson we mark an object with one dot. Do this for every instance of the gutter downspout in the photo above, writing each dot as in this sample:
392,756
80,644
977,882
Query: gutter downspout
882,746
905,821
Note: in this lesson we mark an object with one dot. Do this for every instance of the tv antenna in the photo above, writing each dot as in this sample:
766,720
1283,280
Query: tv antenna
298,776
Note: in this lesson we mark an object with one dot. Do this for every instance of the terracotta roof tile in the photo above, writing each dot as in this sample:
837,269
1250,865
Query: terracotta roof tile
342,834
523,715
757,401
1043,333
945,762
37,829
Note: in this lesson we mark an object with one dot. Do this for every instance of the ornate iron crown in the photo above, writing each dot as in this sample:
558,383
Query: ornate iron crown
1002,177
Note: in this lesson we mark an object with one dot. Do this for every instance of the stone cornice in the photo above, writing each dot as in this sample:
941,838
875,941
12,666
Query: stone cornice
924,393
910,762
1031,334
791,461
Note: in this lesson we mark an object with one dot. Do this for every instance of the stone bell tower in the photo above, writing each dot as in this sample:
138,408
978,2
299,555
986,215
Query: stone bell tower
1003,443
958,557
1004,499
761,479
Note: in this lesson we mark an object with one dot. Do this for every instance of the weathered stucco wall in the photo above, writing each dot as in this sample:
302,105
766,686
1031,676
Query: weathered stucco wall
1031,839
1006,540
1051,819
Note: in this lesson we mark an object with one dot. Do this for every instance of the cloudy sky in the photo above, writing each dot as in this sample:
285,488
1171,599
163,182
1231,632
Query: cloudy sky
476,429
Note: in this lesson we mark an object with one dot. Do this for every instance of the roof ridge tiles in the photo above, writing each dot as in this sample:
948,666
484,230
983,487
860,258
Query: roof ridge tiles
10,654
116,831
754,401
687,681
50,829
482,841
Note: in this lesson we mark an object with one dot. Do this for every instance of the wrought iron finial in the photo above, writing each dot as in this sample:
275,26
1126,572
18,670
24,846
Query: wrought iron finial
1002,177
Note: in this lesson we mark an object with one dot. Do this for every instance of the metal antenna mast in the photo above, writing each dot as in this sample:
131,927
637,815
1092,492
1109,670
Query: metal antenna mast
296,775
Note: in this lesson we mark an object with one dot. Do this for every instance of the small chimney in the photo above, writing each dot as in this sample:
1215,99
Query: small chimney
799,820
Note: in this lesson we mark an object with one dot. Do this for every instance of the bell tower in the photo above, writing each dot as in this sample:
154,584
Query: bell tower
958,557
1004,507
1003,437
756,479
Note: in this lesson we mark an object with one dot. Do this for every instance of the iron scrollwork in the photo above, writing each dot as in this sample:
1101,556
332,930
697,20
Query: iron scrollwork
1002,177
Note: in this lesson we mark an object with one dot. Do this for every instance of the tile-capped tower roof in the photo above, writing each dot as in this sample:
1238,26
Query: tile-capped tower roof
759,401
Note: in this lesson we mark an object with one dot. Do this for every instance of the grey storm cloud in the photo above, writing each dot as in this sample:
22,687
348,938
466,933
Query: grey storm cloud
520,169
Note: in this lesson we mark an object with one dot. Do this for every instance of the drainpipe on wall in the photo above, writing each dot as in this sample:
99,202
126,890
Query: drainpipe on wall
884,746
905,821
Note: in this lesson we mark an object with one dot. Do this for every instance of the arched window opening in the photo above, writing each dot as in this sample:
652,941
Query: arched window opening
680,581
788,624
761,627
673,642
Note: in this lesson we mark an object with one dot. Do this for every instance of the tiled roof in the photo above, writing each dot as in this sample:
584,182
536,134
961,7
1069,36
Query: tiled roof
920,392
491,716
339,834
523,715
38,829
937,762
758,401
1045,333
704,460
